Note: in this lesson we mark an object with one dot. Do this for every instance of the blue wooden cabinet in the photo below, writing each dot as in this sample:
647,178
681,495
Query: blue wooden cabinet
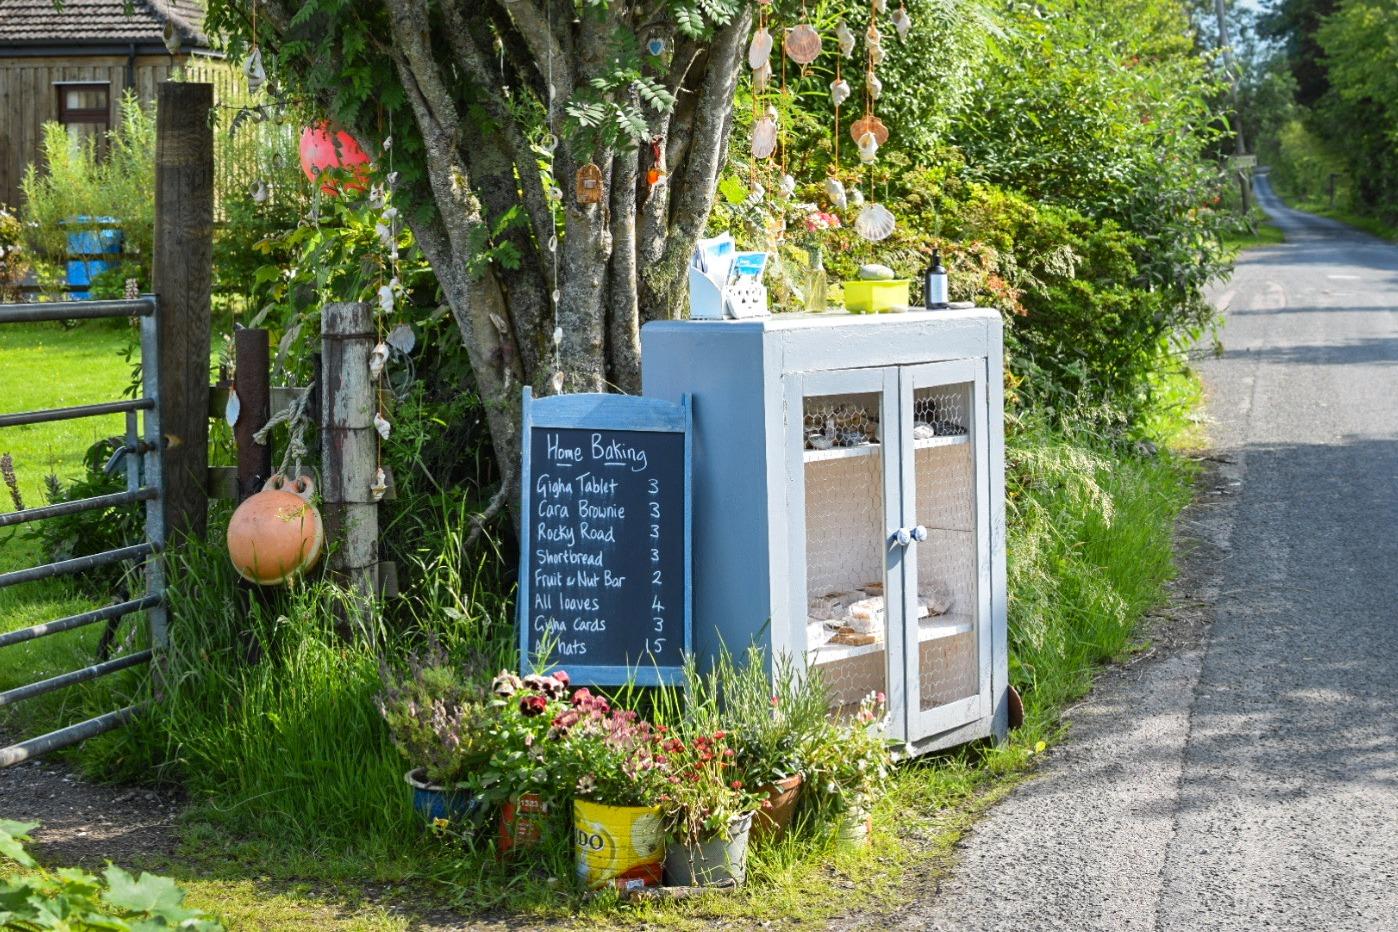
848,495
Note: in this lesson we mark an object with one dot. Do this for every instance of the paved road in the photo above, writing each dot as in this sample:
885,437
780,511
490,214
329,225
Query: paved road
1251,782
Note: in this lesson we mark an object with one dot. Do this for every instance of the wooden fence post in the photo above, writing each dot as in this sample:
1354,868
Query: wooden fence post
252,382
348,445
182,276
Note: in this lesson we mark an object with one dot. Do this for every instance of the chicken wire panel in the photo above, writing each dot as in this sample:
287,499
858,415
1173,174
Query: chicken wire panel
941,411
948,661
847,626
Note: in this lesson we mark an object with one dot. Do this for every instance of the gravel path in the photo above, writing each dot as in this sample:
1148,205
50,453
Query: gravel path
1252,782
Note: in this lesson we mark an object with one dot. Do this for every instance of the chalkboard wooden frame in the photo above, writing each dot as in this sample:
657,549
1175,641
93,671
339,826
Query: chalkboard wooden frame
617,413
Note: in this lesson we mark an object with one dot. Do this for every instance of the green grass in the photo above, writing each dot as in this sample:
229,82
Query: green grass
1262,232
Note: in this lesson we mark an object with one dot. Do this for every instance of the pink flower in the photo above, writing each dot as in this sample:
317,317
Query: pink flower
533,705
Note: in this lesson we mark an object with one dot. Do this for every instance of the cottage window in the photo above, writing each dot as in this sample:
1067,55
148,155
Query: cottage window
85,110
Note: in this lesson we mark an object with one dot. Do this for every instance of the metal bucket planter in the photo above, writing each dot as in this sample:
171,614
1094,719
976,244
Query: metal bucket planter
718,862
854,827
771,821
621,846
432,802
522,821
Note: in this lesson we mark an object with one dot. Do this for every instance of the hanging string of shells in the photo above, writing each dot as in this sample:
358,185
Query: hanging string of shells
802,44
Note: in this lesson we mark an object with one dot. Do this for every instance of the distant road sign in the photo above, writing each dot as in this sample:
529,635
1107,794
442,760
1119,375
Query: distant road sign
1242,162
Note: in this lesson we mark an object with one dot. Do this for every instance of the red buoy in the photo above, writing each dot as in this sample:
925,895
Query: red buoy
324,147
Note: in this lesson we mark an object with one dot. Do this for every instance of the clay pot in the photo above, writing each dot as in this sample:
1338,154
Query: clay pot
277,533
324,147
773,819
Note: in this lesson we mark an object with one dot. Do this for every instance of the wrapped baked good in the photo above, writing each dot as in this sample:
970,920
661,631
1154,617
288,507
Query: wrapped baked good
866,615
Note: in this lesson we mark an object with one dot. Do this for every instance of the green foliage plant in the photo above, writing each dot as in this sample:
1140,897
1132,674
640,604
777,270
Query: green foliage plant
851,763
775,717
75,182
14,259
438,715
706,792
531,720
34,898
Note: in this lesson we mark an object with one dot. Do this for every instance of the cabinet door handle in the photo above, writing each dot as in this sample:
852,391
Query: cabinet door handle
919,533
903,537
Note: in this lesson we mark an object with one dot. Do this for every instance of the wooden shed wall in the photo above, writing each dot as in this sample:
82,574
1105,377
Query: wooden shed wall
28,100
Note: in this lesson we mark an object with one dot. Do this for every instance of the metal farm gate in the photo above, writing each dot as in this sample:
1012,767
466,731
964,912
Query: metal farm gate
140,456
164,452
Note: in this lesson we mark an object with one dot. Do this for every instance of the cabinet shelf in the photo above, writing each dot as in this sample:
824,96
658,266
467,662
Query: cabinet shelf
928,629
866,449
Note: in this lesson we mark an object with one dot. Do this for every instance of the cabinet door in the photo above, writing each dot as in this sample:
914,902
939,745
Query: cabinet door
844,507
946,573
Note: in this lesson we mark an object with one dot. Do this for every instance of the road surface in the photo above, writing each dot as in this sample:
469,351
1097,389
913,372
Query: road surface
1250,782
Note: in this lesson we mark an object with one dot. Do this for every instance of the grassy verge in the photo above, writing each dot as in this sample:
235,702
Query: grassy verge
300,818
299,805
1321,207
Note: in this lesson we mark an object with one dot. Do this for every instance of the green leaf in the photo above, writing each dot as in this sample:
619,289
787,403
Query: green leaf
151,894
733,189
12,836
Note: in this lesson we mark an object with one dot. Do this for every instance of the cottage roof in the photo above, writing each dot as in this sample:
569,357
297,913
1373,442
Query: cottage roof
84,22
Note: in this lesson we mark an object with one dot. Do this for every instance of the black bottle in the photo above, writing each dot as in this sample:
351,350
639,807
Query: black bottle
934,283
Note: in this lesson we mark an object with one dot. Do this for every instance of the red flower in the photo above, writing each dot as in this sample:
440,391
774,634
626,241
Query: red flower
720,735
562,677
776,702
565,720
737,784
533,704
581,696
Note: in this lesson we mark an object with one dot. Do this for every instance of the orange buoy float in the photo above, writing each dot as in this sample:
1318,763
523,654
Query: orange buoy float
277,533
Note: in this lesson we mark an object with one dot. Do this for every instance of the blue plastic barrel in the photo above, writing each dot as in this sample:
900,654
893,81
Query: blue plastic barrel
85,244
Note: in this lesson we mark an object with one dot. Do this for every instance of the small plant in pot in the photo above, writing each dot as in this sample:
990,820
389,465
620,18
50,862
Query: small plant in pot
775,720
438,715
618,773
522,776
708,812
850,766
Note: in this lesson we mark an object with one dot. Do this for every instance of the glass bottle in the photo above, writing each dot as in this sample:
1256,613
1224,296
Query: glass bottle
817,284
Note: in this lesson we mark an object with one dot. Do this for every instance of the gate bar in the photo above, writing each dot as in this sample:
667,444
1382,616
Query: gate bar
19,693
119,610
76,310
66,737
76,565
80,504
67,414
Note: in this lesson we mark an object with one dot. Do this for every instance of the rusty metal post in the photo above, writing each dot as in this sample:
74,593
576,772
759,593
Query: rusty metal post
254,388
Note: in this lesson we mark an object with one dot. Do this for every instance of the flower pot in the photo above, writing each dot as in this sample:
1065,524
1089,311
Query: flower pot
622,846
522,821
433,802
772,820
717,862
854,827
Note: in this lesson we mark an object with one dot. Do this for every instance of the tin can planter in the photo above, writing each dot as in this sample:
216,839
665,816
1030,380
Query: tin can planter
522,821
718,862
771,821
432,802
854,827
621,846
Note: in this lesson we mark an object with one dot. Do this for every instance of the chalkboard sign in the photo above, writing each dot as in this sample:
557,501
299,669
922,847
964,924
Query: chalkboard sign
604,574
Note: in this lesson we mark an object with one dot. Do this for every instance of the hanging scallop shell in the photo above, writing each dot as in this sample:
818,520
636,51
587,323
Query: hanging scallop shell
880,6
845,38
875,85
764,136
756,194
876,54
259,191
868,148
253,70
787,186
386,299
378,358
384,428
856,197
380,487
761,77
872,37
869,124
835,190
874,223
839,91
232,408
902,22
402,338
802,44
760,48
